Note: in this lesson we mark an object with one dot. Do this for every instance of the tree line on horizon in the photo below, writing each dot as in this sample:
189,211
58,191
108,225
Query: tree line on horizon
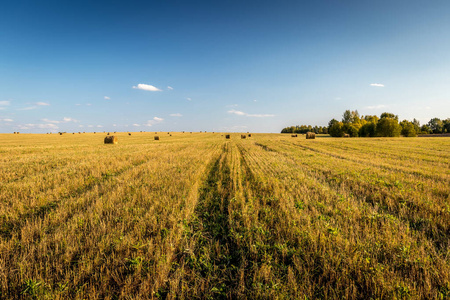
386,125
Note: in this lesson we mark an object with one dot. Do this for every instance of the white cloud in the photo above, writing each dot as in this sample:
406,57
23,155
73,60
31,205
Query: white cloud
255,100
64,120
154,121
377,84
78,104
100,126
81,126
376,106
189,99
169,88
114,125
90,126
7,120
176,115
146,87
28,108
5,103
88,104
38,126
136,125
241,113
42,103
107,98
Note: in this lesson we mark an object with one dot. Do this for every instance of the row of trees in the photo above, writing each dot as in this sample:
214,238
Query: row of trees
387,125
305,129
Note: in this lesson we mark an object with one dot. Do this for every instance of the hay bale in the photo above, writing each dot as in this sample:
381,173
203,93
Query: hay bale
249,135
61,133
156,138
310,135
346,135
170,135
243,136
227,136
111,139
294,135
107,133
129,133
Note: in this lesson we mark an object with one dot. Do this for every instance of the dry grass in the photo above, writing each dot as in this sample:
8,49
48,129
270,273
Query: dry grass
196,216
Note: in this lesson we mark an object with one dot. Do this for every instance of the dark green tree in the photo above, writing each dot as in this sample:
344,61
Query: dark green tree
436,125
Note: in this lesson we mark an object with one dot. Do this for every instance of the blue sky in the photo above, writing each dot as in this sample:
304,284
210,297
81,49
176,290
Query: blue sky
219,65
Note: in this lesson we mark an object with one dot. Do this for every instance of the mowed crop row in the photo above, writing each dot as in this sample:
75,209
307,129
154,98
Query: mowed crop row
199,216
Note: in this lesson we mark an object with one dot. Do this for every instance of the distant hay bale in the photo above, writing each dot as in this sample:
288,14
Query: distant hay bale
107,133
129,133
156,133
61,133
156,138
310,135
243,136
170,135
249,135
346,135
111,139
227,136
294,135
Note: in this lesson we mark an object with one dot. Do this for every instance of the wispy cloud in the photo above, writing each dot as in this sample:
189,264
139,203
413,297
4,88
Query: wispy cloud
169,88
42,104
38,126
5,103
107,98
154,121
176,115
241,113
377,84
376,106
189,99
64,120
146,87
136,125
100,126
7,120
28,108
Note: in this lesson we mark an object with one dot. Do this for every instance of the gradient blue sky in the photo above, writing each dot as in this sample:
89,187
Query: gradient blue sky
232,65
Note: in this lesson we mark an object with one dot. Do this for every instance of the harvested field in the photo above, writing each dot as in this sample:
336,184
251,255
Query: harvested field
200,216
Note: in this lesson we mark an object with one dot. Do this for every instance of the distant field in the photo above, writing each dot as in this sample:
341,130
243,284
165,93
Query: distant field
199,216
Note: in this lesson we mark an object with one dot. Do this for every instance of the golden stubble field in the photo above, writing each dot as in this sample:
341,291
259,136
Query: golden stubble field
199,216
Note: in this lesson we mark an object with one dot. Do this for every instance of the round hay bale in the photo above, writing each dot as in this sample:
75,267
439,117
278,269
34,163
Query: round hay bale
346,135
111,139
310,135
249,135
294,135
227,136
243,136
129,133
156,138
